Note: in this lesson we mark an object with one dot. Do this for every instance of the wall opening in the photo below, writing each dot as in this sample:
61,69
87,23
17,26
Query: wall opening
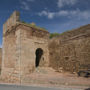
39,53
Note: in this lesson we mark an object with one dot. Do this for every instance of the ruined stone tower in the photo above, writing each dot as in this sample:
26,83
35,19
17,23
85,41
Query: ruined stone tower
25,47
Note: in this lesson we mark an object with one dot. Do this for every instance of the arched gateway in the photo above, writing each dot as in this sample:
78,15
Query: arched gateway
39,54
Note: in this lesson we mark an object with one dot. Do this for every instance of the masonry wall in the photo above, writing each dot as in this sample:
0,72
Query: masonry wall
71,50
10,51
20,42
31,40
10,63
11,21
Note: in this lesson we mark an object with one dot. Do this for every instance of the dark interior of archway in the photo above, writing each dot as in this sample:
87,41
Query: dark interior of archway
39,53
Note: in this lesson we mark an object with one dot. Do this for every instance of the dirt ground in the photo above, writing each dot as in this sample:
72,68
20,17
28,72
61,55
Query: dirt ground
49,77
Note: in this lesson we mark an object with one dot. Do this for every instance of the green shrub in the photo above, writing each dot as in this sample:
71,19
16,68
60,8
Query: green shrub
33,25
54,35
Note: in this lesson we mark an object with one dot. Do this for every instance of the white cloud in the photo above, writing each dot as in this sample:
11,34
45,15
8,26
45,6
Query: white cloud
50,15
62,3
24,5
66,13
45,13
62,13
85,14
80,14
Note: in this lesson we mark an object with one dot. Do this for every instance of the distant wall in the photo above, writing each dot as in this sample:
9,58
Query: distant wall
71,50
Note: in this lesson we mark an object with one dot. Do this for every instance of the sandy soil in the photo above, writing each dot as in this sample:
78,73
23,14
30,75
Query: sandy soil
51,78
48,76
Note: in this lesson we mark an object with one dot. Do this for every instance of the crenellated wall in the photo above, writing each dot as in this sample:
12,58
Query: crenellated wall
11,21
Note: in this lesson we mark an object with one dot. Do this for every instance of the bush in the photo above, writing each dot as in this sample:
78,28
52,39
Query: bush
54,35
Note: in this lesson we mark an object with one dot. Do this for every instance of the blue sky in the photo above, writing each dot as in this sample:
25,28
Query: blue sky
54,15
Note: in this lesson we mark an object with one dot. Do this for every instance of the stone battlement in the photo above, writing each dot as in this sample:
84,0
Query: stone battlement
11,21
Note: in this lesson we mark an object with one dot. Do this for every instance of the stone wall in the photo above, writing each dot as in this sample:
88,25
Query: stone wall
33,32
31,40
20,43
10,52
71,50
11,21
10,60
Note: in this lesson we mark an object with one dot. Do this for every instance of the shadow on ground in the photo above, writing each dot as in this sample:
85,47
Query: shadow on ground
87,89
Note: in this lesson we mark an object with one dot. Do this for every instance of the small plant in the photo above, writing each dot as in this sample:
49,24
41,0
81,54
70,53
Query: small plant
54,35
33,25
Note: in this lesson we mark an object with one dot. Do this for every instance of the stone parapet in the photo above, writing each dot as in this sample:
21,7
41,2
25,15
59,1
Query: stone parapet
11,21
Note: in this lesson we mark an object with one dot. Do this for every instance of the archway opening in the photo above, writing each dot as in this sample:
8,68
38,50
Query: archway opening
39,53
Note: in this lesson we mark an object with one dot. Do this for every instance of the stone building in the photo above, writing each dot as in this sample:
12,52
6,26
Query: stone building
25,47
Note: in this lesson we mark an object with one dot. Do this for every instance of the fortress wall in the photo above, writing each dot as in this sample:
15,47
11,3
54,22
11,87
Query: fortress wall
20,43
71,50
9,53
31,40
10,49
11,21
33,32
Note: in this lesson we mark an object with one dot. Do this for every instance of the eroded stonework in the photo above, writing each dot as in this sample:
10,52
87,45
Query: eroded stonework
71,50
24,49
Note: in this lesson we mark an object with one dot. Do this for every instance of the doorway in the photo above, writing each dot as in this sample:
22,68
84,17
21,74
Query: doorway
39,53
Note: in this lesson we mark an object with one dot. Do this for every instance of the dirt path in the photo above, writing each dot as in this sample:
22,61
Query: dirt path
48,76
51,78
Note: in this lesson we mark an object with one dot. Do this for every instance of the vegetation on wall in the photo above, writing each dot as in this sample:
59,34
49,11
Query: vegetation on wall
58,34
65,33
54,35
34,26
